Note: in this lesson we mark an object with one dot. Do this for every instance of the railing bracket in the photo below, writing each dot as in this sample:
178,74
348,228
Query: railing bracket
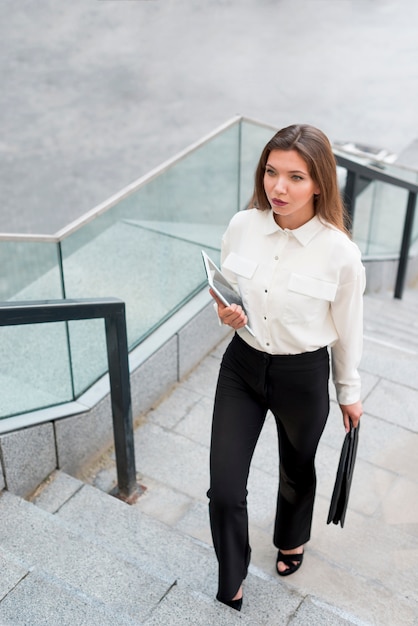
130,498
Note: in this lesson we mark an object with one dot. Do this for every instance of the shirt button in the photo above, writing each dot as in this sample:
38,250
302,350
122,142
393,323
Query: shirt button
267,343
276,258
265,290
265,317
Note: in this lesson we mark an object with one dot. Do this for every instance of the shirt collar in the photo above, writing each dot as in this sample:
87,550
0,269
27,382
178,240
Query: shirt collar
304,234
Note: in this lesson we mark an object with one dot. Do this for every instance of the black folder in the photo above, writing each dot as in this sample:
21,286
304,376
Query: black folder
339,500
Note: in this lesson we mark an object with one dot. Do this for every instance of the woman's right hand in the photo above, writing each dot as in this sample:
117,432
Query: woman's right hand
232,315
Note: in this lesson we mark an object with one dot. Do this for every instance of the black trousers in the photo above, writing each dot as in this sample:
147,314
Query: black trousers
295,389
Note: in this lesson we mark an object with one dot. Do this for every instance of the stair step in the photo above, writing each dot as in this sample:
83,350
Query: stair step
259,609
107,554
89,558
77,578
157,548
36,537
266,601
392,321
384,333
160,549
143,541
37,599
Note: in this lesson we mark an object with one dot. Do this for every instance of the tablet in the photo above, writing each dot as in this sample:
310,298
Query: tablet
223,289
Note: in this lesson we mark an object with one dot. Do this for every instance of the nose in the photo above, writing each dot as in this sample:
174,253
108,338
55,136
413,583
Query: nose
280,186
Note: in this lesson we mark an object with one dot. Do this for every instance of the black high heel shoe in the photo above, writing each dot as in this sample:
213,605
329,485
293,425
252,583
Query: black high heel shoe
234,604
293,562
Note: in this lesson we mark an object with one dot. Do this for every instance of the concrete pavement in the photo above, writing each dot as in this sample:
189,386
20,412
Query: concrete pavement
96,93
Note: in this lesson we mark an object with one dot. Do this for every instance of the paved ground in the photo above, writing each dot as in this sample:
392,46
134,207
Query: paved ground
368,569
95,93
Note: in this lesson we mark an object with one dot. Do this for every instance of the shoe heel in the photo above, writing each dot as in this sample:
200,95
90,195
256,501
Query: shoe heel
234,604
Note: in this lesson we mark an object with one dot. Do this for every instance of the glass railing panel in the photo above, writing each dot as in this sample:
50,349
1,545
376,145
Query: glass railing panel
194,195
356,158
412,177
34,359
379,219
153,272
29,270
399,171
363,216
253,139
87,341
387,220
390,167
146,249
34,367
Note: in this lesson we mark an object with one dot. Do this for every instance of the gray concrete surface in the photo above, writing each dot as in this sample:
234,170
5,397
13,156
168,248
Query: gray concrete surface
96,93
27,457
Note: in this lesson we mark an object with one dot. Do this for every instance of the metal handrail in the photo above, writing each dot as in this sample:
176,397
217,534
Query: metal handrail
113,312
370,172
355,172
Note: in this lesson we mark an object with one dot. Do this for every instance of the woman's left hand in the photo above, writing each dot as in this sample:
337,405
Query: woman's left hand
351,412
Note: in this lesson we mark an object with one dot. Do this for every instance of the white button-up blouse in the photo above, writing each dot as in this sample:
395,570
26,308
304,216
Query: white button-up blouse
302,290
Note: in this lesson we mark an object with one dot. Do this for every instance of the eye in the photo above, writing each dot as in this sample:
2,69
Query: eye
270,172
296,177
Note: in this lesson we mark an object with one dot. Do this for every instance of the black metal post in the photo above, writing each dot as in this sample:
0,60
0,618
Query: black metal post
349,196
406,242
117,354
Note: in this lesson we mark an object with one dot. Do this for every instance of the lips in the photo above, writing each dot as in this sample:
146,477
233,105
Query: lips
278,202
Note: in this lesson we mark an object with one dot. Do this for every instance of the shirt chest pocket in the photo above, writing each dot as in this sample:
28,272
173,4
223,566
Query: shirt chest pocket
307,299
240,265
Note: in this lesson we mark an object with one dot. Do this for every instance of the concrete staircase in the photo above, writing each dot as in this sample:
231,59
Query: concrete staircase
76,555
392,322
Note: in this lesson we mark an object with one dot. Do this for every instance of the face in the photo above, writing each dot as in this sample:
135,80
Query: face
289,188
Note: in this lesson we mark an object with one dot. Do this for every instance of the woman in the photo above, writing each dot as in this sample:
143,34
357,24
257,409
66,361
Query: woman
301,281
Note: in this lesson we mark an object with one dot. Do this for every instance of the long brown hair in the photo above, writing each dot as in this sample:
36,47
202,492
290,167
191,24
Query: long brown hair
315,149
